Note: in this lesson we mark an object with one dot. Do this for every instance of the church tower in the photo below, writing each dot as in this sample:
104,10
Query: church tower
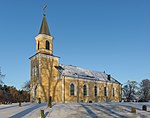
44,41
43,67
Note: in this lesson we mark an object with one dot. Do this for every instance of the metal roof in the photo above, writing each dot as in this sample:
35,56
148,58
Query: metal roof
77,72
44,27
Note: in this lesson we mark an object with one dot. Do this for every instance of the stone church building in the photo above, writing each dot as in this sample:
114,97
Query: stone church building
66,83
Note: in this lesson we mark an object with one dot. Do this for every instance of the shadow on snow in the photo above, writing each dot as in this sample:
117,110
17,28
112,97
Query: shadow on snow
90,112
13,106
25,112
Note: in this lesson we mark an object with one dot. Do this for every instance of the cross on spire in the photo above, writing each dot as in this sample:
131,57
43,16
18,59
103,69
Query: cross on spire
44,9
44,26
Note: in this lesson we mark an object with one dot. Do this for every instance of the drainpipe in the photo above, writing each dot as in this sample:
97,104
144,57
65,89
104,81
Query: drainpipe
106,91
78,91
63,88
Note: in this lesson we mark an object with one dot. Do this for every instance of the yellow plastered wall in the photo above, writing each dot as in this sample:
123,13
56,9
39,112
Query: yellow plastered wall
44,63
41,44
62,94
33,79
90,97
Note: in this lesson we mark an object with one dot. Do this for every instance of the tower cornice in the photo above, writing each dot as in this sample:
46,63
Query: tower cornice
43,36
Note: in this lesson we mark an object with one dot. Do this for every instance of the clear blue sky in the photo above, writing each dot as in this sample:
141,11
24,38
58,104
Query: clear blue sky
102,35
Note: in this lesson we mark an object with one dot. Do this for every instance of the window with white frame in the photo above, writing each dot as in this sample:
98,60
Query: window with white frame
105,91
47,45
113,92
85,90
72,89
35,71
95,91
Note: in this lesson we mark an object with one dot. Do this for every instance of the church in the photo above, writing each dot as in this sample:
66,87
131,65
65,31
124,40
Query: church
66,83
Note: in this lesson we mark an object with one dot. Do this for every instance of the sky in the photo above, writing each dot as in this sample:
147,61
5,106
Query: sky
102,35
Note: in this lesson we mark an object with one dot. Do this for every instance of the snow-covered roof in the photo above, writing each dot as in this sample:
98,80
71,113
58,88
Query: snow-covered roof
77,72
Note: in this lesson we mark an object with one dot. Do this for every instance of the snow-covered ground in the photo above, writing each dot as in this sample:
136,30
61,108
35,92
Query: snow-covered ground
75,110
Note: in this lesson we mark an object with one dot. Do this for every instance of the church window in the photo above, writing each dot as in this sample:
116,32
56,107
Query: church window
33,71
47,45
84,90
113,92
38,45
72,89
36,70
105,91
95,90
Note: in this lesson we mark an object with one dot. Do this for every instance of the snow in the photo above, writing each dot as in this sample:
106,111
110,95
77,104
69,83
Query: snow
75,110
77,72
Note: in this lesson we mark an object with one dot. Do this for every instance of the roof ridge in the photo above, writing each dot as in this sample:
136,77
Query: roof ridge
78,72
82,68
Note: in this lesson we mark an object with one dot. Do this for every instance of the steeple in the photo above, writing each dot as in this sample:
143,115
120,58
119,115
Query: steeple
44,26
44,41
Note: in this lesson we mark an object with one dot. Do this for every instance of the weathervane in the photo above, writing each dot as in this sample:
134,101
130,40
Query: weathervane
44,9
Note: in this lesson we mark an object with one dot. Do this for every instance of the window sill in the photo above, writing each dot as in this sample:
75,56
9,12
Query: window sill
72,95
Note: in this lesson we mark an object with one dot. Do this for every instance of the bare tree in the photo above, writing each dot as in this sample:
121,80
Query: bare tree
1,77
47,64
130,90
144,92
50,69
26,86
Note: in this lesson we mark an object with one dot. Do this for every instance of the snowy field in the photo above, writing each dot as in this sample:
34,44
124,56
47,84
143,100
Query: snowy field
75,110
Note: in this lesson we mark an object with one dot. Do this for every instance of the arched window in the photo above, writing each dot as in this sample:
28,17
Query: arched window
47,45
105,91
36,71
95,90
33,71
72,89
38,45
84,90
113,92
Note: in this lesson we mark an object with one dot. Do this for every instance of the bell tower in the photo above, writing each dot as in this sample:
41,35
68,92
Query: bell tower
44,41
42,66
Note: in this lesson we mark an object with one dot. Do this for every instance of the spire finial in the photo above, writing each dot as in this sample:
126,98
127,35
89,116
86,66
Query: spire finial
44,9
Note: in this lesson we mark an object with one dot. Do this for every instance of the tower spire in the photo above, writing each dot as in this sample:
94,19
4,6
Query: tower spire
44,26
